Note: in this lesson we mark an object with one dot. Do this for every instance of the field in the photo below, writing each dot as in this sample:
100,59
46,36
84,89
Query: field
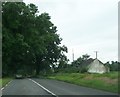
107,81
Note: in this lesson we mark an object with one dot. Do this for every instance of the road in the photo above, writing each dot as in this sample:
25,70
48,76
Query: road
23,87
37,87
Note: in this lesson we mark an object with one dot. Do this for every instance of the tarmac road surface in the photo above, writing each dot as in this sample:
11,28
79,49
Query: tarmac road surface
37,86
63,88
23,87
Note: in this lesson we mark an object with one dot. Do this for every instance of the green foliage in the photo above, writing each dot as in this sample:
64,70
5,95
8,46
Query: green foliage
83,70
68,70
81,63
30,41
5,81
114,66
80,60
107,81
111,75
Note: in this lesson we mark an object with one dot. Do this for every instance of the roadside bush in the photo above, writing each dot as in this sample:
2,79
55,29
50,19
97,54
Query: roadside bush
68,70
83,70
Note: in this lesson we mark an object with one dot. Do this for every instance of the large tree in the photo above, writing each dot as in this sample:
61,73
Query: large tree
30,41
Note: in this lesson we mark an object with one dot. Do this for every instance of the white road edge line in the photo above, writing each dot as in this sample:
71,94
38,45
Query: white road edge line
44,88
6,85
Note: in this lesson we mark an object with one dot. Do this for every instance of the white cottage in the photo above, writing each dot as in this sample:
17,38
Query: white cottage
97,67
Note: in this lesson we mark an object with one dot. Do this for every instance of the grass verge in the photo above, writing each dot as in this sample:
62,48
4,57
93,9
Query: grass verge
107,81
0,82
4,81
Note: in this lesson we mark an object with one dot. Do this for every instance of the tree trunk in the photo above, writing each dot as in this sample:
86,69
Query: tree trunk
38,61
37,68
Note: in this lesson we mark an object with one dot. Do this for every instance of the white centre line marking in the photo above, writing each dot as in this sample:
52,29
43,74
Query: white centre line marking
44,88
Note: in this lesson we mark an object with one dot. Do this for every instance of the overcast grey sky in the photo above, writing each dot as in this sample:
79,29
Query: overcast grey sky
85,25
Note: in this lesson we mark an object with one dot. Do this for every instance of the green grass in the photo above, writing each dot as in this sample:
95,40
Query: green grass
0,82
107,81
4,81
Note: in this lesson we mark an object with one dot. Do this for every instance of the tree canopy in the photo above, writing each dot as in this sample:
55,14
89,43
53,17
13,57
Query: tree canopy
30,41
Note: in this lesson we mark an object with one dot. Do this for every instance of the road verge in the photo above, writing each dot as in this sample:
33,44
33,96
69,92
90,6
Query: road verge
6,85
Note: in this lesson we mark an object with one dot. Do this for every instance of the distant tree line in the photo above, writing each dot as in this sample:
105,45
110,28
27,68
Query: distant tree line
80,64
30,42
114,65
85,60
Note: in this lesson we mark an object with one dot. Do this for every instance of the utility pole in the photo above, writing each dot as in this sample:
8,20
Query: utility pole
96,53
73,55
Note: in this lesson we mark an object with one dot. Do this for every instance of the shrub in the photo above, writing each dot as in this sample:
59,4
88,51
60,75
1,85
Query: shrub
83,70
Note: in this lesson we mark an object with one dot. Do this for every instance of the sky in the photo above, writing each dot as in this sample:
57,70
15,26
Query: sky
85,26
